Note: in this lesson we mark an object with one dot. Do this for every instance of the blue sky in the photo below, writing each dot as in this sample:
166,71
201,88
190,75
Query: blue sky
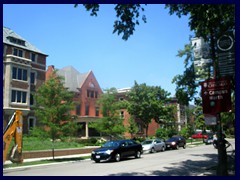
70,36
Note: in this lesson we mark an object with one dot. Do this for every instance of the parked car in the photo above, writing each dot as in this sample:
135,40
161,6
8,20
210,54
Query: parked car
116,150
199,136
209,139
175,142
153,145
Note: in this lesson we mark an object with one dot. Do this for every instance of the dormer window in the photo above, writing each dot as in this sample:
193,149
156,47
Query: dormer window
16,41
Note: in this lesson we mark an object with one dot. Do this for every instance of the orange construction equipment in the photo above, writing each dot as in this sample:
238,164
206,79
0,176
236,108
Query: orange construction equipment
13,129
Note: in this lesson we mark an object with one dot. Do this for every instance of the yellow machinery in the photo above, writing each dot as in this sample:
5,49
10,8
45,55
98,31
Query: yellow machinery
13,129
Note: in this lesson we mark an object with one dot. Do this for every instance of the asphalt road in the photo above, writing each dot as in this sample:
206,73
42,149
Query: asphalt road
183,162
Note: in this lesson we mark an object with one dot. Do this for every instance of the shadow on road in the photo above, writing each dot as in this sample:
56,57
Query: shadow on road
184,168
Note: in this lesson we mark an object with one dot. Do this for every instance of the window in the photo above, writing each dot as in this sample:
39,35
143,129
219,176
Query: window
86,109
16,41
19,96
122,114
90,93
19,74
78,108
33,57
31,99
17,52
97,111
33,75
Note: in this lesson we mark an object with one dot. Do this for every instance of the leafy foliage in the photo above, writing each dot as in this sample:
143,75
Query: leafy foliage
132,128
206,18
147,103
53,103
185,83
111,123
165,133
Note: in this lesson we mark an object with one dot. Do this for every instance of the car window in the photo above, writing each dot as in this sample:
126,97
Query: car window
147,142
111,144
130,143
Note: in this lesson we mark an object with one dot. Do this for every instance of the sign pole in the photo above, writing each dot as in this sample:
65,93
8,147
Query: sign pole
222,165
222,154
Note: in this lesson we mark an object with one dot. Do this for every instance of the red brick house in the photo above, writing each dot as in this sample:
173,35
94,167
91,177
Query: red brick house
23,72
87,91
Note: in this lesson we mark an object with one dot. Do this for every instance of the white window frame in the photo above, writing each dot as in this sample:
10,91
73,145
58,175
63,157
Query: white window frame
23,52
17,73
16,96
36,57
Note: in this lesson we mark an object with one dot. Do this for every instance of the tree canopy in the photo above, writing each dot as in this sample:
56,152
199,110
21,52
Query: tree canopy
53,105
147,103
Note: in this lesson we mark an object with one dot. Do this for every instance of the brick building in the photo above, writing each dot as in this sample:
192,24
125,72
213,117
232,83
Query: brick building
23,72
87,91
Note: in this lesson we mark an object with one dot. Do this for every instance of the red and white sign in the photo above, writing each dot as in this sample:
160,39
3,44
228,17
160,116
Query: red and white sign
216,96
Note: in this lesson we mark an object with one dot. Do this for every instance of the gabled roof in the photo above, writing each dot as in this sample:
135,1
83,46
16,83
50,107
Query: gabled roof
73,79
9,35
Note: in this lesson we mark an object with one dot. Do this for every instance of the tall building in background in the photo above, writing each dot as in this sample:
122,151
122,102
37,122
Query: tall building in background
23,72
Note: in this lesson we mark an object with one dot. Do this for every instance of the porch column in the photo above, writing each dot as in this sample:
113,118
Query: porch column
86,129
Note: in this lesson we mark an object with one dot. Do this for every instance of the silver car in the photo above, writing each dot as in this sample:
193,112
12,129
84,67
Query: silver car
153,145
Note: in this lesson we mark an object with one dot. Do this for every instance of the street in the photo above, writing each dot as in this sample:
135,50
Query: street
183,162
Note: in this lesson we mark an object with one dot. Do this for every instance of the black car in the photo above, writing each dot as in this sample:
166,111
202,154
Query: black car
116,150
175,142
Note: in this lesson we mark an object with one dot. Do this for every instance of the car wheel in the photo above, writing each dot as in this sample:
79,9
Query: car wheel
163,148
138,154
97,161
177,147
117,157
152,150
184,146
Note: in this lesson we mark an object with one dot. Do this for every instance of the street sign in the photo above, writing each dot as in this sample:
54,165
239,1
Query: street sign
210,119
226,54
216,96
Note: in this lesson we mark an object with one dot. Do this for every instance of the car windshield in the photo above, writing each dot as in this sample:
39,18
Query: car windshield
111,144
147,142
172,139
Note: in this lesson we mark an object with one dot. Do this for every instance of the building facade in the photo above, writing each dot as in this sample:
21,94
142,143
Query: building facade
87,91
23,72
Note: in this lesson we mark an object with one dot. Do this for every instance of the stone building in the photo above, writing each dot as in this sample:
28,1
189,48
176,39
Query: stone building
23,72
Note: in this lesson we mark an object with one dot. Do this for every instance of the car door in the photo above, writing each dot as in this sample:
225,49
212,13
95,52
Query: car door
130,148
157,144
124,149
181,141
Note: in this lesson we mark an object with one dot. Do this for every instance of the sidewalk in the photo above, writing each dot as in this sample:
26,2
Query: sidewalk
56,157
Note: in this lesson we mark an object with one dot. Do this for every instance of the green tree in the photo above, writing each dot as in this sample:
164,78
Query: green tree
53,103
147,103
132,127
185,83
111,123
